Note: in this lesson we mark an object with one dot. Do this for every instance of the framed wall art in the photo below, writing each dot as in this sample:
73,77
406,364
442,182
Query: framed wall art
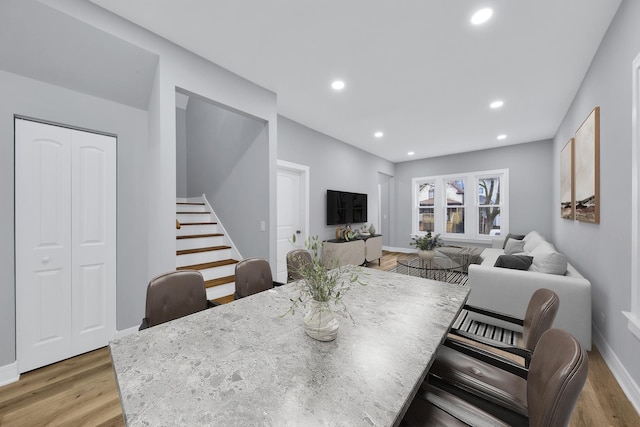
566,181
587,169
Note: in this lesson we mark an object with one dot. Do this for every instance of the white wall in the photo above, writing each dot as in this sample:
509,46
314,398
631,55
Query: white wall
43,101
226,154
146,143
181,153
332,165
530,184
602,252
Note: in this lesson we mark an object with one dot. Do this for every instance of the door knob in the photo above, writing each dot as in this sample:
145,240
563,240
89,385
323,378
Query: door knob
45,259
298,232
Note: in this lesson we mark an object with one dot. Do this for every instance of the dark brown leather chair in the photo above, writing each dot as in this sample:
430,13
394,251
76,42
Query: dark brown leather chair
462,366
173,295
295,260
558,371
253,275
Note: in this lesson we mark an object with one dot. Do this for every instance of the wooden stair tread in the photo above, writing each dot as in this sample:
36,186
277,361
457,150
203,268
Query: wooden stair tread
209,265
199,250
192,213
190,203
219,281
197,236
224,300
197,223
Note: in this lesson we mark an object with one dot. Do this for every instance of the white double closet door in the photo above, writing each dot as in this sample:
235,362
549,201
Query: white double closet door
65,223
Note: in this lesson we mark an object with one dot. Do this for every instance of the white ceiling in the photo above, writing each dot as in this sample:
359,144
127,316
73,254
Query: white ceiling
415,69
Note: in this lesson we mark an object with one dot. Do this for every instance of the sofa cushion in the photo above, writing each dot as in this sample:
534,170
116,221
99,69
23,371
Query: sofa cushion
547,260
512,236
513,246
516,262
532,240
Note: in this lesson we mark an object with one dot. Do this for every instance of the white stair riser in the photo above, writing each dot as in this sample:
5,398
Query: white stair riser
202,257
200,242
221,291
190,208
194,217
217,272
193,230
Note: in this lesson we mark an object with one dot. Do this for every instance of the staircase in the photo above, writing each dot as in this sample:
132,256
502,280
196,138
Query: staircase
201,246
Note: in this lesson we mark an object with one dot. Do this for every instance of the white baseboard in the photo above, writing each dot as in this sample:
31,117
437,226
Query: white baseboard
628,385
9,374
403,250
124,333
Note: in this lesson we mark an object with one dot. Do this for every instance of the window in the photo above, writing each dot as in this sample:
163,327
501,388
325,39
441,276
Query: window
633,315
426,198
454,203
469,206
489,219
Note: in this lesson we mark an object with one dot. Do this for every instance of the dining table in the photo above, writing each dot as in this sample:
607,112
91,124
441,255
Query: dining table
250,362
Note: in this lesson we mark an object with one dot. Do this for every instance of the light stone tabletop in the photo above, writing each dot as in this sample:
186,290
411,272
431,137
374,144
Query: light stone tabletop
243,364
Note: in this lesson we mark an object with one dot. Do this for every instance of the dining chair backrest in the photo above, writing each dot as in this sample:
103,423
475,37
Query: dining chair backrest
541,312
253,275
296,259
558,371
173,295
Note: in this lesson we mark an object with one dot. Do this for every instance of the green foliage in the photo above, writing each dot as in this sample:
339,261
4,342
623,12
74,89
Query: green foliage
427,242
321,282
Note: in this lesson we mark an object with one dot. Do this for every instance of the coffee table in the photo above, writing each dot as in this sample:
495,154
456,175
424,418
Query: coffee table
439,268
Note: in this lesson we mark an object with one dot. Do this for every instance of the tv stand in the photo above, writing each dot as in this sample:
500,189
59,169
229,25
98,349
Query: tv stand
356,251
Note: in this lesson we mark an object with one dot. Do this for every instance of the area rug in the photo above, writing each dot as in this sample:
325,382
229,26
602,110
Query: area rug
464,323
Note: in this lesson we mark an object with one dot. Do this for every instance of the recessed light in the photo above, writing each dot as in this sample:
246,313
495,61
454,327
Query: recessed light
378,134
481,16
496,104
337,85
411,153
503,136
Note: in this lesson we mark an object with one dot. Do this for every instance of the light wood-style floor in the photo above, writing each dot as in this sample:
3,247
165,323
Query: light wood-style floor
81,391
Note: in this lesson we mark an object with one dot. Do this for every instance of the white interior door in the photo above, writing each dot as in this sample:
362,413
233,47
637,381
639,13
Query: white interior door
65,242
93,231
43,244
292,212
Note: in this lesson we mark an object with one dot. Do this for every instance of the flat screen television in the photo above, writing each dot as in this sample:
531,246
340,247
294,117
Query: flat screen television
346,208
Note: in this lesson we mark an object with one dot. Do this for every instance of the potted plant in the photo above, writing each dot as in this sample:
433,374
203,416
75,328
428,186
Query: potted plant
322,289
426,245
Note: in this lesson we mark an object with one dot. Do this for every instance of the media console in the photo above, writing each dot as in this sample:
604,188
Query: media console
357,251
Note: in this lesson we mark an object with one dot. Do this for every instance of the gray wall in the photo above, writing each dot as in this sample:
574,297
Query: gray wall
181,153
530,181
332,165
146,139
47,102
386,184
602,252
227,161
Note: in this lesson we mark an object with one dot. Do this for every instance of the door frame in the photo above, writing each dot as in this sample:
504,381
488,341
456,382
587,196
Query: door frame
304,173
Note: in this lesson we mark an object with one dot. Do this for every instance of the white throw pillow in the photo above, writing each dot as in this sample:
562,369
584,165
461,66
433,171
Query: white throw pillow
514,246
547,260
532,240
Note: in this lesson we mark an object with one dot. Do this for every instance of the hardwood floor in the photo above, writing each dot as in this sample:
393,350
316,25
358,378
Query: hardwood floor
82,392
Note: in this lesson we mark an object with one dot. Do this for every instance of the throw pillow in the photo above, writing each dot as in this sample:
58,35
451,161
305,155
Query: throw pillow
513,246
532,240
512,236
547,260
516,262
